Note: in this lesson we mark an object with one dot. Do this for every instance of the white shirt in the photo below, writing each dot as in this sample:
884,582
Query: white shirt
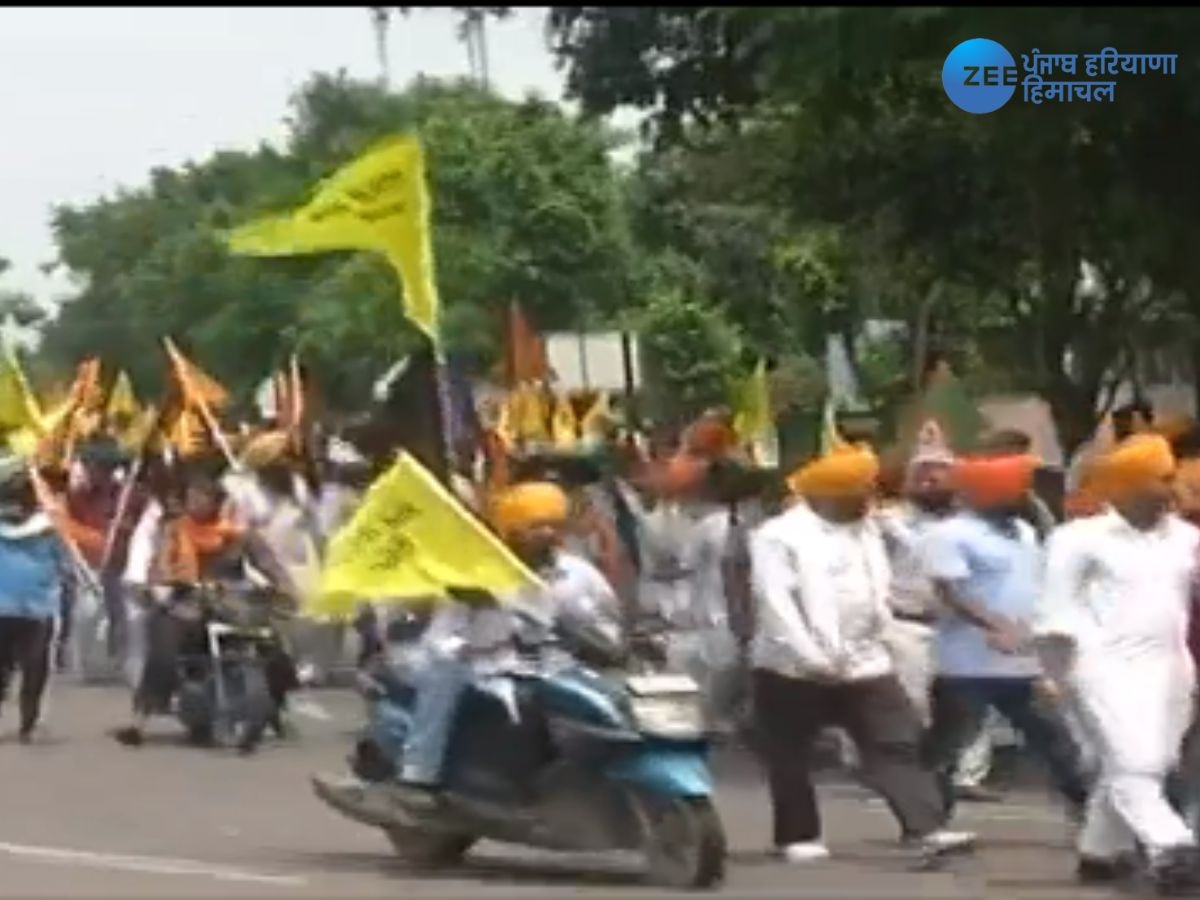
1119,591
142,545
822,596
904,527
575,591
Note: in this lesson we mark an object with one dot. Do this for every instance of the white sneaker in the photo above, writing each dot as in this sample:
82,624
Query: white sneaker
808,852
941,842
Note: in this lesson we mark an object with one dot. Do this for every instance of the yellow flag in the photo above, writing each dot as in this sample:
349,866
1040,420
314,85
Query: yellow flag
525,415
754,420
379,202
412,539
18,406
752,415
563,425
596,418
121,399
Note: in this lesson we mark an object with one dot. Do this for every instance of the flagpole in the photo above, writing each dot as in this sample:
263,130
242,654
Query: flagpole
201,404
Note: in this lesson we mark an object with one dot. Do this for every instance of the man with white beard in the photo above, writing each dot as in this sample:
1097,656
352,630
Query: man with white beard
1112,632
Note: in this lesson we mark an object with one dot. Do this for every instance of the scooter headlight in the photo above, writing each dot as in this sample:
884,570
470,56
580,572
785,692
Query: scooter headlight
673,716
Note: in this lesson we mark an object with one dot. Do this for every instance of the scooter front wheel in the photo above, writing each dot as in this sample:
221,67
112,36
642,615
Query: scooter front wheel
428,849
683,842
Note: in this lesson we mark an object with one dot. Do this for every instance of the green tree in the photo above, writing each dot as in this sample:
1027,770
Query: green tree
981,225
526,206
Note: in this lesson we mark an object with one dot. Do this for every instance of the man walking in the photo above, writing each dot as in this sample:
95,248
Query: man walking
985,562
821,580
1113,630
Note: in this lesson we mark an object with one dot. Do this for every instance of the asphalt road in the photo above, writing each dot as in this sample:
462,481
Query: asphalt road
85,817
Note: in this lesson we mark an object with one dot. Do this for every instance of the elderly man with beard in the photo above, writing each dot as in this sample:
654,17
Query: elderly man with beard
1113,627
928,499
821,581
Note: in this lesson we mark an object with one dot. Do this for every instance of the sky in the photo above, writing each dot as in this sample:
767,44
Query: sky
93,99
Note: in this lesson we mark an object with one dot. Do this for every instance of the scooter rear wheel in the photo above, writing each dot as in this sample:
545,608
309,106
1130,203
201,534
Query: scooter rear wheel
428,849
684,842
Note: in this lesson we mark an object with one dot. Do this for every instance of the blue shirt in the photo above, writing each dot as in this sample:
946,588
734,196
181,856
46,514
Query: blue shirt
32,564
997,569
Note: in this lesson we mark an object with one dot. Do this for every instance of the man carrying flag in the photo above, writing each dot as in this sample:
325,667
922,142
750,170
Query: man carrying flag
474,636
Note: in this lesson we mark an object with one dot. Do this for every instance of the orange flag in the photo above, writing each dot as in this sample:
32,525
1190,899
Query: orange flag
200,394
526,349
199,388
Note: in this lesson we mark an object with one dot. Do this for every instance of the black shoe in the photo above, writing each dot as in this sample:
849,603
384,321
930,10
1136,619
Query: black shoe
1176,870
130,737
1094,870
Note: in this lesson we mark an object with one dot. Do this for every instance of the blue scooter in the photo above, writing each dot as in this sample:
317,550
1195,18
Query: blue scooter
568,760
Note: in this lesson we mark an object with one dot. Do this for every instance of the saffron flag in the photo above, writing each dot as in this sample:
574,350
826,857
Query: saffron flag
379,202
525,349
412,540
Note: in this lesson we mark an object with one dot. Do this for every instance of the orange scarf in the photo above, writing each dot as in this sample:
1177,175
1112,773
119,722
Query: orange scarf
187,544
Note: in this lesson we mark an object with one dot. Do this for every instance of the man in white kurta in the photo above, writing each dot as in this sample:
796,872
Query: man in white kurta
1113,627
821,581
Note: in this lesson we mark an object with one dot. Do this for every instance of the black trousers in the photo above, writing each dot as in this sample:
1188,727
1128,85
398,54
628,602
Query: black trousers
25,646
876,713
959,703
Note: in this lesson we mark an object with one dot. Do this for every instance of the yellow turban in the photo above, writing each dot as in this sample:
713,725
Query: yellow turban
530,503
265,449
1135,464
844,471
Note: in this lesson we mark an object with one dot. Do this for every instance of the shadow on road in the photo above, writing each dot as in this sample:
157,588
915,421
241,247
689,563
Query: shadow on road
493,870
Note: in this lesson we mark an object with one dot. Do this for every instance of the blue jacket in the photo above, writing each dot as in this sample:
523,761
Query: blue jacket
32,570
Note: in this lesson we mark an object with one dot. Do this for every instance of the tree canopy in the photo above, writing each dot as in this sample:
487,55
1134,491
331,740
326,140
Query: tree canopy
526,207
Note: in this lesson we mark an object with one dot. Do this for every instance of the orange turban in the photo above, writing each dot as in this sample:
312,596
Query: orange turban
681,474
994,480
1135,464
530,503
844,471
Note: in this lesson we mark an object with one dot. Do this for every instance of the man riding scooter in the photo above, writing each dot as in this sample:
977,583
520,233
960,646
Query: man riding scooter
471,641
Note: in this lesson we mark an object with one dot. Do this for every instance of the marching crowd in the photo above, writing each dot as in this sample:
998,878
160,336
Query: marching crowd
902,608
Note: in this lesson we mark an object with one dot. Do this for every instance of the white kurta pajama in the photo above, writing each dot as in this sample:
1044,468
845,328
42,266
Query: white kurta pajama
1123,596
684,552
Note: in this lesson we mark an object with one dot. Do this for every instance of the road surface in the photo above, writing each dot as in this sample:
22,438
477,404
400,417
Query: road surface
86,817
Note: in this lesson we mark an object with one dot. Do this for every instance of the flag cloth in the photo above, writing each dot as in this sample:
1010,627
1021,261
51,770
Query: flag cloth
412,539
753,419
831,436
526,350
563,426
946,401
122,403
198,387
598,417
18,406
379,202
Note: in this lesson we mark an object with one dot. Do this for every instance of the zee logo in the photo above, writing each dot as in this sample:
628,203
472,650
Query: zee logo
979,76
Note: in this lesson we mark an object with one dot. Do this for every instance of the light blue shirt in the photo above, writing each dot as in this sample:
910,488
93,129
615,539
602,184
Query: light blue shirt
999,570
32,565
